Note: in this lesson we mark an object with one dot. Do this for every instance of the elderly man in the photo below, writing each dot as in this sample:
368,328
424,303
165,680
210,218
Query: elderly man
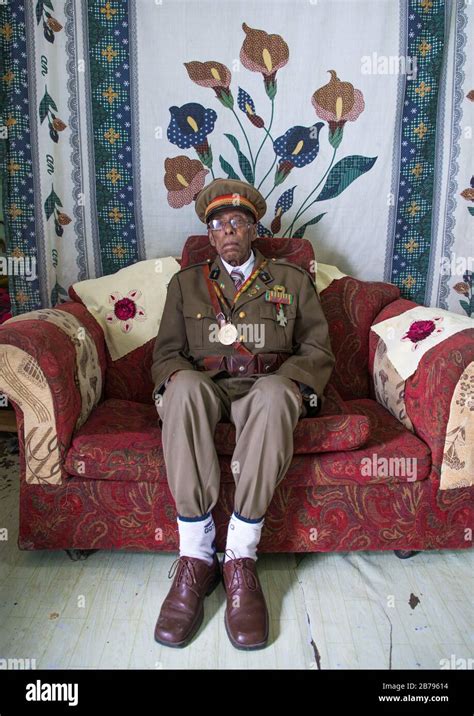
243,338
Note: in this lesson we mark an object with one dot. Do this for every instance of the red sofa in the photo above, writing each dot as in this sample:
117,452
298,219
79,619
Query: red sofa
108,488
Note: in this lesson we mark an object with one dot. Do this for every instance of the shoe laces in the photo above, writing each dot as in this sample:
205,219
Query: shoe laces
241,572
186,573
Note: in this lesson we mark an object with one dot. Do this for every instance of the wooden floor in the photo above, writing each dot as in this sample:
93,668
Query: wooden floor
359,610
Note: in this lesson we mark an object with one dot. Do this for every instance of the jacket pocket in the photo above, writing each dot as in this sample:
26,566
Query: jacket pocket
271,333
201,323
278,337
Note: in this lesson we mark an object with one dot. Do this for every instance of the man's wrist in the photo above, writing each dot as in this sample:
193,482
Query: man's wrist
297,385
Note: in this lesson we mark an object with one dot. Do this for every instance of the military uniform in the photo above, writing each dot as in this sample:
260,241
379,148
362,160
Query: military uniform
188,341
240,351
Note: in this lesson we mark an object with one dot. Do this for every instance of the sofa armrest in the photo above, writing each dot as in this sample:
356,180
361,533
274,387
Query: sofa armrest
52,368
424,401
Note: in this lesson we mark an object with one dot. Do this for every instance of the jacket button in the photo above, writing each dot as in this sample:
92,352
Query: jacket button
242,314
198,315
241,367
267,366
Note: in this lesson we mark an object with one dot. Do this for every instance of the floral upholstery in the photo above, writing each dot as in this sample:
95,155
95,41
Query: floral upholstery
354,498
53,375
122,439
350,307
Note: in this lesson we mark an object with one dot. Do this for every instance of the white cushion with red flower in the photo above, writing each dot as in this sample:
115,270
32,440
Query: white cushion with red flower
129,304
411,334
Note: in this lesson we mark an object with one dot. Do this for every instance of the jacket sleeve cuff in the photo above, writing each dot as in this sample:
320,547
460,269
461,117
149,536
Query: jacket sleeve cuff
159,390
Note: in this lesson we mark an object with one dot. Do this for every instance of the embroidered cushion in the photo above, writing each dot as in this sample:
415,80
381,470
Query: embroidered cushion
128,304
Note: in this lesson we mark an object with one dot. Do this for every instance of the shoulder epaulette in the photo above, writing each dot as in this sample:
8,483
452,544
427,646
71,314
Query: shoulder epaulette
285,262
200,263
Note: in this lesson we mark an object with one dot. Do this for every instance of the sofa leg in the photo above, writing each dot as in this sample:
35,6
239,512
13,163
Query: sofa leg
405,553
77,554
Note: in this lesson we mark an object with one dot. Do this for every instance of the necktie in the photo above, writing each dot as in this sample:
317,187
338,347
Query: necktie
237,277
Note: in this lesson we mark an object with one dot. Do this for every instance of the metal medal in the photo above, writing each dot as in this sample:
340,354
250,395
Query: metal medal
227,334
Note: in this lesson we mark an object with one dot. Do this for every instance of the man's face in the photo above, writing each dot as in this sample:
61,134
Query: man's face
233,245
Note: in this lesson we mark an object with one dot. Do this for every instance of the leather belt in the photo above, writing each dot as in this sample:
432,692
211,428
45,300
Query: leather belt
243,365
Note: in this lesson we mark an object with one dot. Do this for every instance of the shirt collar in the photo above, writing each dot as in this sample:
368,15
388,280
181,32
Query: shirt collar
245,267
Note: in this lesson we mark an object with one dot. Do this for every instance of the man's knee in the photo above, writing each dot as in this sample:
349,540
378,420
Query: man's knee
188,381
186,375
270,386
275,390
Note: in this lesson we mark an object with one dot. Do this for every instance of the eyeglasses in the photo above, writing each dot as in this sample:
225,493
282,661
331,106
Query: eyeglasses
236,222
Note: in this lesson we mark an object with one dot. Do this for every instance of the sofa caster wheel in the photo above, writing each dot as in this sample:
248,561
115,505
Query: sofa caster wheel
405,553
78,554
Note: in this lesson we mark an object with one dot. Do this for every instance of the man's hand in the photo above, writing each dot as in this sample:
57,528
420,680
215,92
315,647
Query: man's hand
297,390
171,377
159,397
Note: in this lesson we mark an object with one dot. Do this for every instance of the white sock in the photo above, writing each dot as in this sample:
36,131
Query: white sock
196,537
242,538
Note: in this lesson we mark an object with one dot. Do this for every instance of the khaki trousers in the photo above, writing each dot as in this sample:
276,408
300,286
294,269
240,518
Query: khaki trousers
265,411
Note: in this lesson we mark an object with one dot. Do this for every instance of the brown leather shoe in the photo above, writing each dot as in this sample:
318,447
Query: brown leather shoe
182,610
246,615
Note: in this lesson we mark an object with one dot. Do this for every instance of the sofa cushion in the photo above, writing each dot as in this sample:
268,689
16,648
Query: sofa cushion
129,353
391,455
411,334
350,307
128,304
122,439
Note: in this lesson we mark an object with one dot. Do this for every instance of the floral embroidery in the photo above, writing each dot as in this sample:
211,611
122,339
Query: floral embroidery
297,147
125,310
419,330
337,103
184,179
264,53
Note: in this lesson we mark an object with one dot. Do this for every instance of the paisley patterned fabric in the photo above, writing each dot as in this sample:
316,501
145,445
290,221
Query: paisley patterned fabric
457,468
52,370
88,372
350,307
430,397
330,501
122,440
389,386
141,516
